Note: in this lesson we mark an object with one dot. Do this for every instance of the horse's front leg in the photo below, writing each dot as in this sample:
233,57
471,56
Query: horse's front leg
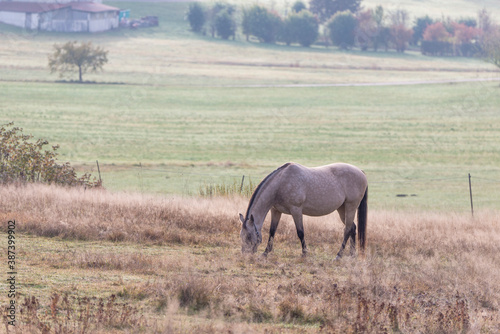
275,219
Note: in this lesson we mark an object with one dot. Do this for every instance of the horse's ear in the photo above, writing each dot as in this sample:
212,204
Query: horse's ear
242,219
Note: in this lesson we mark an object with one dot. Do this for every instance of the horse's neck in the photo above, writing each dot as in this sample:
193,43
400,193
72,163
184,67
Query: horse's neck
262,205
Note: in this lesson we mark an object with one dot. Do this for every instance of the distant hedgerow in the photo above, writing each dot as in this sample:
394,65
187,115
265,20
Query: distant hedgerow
23,159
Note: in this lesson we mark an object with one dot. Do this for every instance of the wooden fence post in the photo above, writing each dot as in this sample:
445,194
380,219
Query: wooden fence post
99,170
470,192
242,180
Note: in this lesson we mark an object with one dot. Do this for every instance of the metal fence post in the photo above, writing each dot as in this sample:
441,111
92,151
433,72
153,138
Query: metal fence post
470,192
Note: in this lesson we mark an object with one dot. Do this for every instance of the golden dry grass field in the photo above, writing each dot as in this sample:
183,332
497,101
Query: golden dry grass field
101,262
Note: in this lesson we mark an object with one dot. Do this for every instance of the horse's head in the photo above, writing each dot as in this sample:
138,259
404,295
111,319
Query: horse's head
250,236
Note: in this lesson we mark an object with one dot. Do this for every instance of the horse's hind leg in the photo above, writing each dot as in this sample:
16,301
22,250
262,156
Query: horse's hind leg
353,239
275,219
347,213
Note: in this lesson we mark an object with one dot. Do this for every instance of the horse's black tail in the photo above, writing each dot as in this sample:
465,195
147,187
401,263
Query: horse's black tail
362,218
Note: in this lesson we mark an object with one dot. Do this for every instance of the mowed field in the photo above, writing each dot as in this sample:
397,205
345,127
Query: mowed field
174,112
420,140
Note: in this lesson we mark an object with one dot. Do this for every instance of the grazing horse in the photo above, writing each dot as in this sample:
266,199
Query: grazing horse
297,190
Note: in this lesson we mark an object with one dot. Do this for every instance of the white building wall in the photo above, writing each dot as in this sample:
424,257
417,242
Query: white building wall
63,20
14,18
32,21
103,24
69,26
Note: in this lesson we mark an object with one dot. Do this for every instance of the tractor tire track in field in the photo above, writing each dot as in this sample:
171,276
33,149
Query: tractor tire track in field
366,84
297,85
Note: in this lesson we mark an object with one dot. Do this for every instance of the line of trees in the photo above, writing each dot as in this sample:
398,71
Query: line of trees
343,23
463,37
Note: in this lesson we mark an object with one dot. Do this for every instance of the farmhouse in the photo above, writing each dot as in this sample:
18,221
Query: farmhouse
76,16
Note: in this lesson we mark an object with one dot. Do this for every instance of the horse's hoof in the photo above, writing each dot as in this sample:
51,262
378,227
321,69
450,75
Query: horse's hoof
264,255
338,257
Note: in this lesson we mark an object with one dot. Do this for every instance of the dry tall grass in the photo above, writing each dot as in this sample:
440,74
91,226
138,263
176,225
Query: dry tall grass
423,272
100,215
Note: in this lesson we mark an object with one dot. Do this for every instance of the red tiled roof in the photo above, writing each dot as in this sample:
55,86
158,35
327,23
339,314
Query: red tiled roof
38,7
29,7
92,7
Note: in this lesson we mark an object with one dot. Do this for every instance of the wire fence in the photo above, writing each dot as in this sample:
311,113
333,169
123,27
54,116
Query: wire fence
459,191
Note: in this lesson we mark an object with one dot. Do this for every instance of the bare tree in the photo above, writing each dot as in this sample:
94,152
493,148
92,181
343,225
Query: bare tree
399,17
484,19
71,57
491,46
400,34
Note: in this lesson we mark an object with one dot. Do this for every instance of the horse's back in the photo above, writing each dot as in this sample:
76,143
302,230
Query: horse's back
322,190
349,178
349,174
343,173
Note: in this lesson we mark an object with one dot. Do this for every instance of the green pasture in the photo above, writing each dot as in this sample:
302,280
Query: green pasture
420,140
174,112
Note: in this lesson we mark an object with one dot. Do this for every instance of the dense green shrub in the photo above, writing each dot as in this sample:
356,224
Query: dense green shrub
286,34
468,50
298,6
216,16
301,27
258,21
23,159
436,48
342,28
196,16
225,25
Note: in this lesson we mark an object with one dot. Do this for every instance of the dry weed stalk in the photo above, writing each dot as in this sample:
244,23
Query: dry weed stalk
77,315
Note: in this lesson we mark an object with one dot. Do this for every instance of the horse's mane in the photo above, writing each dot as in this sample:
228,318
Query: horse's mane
261,184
